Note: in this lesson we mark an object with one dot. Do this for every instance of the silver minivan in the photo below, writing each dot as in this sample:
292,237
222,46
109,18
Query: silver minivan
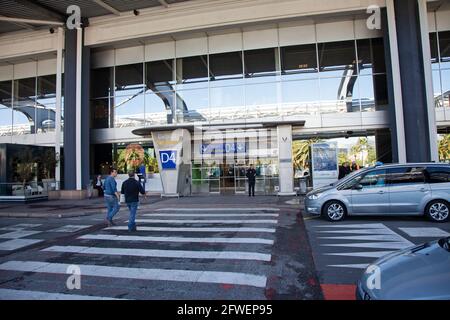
397,189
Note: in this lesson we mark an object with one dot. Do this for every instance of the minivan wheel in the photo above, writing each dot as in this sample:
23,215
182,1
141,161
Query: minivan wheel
334,211
438,211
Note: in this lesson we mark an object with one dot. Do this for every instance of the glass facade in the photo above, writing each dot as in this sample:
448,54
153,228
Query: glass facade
316,78
440,61
28,105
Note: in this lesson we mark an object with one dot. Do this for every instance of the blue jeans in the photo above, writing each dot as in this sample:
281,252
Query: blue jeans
112,205
133,210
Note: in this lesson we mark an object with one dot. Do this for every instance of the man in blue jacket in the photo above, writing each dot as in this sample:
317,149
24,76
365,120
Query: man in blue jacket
112,197
131,189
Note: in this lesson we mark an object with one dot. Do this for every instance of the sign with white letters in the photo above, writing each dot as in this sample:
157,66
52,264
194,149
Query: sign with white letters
168,159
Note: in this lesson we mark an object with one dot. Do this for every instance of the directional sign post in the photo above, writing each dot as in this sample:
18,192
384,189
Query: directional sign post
168,159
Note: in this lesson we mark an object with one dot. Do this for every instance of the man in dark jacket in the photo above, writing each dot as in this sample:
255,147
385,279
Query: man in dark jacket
131,189
251,176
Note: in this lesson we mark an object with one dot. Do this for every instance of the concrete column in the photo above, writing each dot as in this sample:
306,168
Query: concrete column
286,170
413,87
76,115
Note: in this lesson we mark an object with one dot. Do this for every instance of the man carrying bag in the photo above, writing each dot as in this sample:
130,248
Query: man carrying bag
131,189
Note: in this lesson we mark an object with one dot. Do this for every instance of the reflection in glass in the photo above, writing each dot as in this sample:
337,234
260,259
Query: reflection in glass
261,100
445,74
194,105
24,106
337,59
227,103
192,72
225,66
337,95
158,108
159,75
434,50
46,103
300,97
437,94
129,79
5,94
129,111
102,82
371,56
5,121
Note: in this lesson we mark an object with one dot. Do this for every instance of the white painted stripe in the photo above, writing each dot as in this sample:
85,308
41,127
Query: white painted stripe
17,244
425,232
355,266
358,226
270,230
141,273
21,226
360,231
218,209
383,237
206,221
187,254
368,254
18,234
274,215
70,228
386,245
175,239
10,294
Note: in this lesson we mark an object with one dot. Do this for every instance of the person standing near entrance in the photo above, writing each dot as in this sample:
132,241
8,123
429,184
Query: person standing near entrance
251,176
131,189
112,197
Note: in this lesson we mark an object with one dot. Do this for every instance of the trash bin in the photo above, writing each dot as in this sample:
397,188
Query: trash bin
302,186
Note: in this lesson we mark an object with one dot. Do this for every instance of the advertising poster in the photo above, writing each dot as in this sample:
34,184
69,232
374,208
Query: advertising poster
324,160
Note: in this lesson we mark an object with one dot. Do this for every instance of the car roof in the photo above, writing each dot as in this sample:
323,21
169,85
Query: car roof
413,164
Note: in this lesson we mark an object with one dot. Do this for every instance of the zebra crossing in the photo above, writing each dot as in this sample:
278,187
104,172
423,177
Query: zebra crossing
187,251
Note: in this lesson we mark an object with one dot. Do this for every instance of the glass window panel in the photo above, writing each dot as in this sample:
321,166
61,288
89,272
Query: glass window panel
158,108
225,97
260,62
261,100
192,105
102,82
129,79
299,59
5,93
46,90
444,47
371,56
300,97
339,95
159,75
437,94
192,72
337,58
446,87
225,66
129,111
5,121
24,111
434,50
100,113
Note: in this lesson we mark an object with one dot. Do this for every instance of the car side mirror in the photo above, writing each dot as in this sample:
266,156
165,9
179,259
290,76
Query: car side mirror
357,186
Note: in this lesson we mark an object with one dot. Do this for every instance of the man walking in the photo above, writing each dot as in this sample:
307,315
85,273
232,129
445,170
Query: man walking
251,176
112,197
131,189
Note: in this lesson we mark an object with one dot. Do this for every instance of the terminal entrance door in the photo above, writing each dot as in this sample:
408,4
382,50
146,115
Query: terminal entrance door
227,179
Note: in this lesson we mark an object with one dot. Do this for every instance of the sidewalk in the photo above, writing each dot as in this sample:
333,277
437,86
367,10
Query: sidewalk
60,208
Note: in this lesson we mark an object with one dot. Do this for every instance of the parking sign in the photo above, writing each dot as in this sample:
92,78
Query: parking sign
168,159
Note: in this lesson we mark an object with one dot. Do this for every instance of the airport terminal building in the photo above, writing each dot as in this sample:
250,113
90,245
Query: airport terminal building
208,87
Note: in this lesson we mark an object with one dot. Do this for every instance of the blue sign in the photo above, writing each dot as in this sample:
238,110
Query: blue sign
221,148
168,159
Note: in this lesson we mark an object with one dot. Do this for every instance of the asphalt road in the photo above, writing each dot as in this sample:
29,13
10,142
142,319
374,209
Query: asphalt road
183,249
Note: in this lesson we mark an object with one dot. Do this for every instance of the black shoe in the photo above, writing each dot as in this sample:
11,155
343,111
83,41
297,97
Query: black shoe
132,230
110,223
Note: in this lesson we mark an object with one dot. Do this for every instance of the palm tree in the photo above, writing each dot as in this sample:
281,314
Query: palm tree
300,152
444,148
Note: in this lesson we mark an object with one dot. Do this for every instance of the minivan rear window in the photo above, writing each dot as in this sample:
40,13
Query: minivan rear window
405,175
438,174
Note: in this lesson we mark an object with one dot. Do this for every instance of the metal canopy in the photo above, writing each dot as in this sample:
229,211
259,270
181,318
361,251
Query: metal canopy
16,15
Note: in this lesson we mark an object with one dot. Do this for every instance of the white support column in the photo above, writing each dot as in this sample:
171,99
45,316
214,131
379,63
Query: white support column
398,99
286,171
78,107
423,18
59,58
